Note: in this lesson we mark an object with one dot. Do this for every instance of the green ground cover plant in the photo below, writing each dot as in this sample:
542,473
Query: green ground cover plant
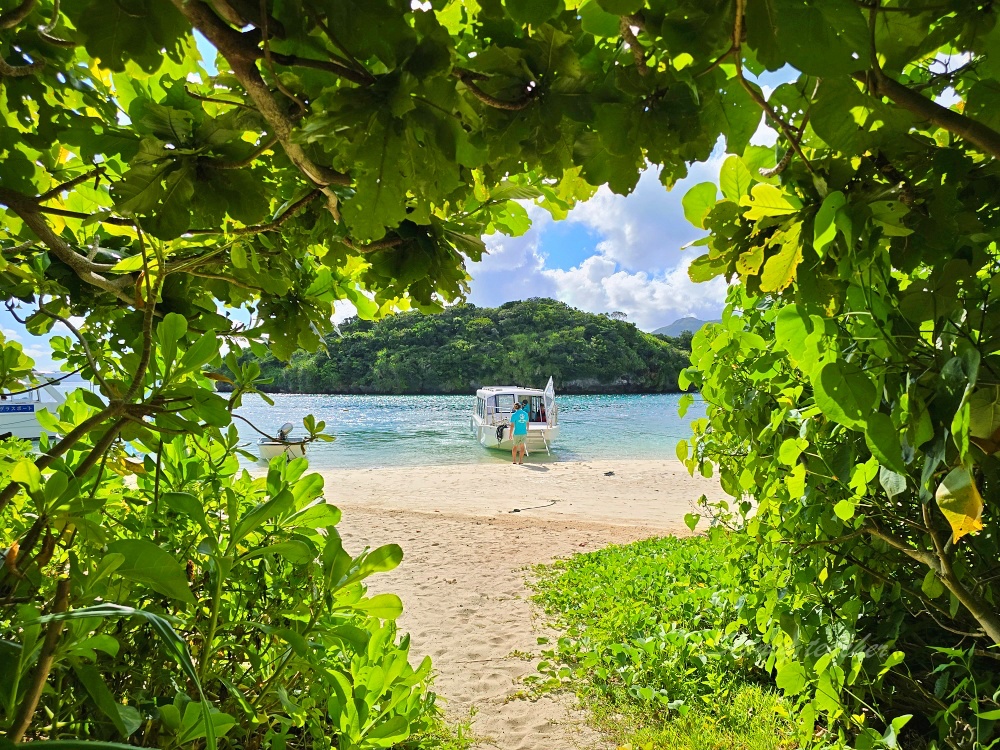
658,646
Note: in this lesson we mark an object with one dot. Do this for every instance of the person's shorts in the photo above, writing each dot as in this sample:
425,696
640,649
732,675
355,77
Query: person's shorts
519,439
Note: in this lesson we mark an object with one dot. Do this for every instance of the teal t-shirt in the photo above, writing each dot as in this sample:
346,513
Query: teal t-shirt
520,421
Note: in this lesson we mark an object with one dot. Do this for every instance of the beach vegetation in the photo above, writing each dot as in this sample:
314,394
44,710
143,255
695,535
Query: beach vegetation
852,383
162,212
661,646
466,347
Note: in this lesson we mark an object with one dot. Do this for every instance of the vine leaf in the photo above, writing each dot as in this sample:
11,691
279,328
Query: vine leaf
959,500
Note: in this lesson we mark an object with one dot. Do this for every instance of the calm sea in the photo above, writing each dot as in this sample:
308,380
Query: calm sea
408,430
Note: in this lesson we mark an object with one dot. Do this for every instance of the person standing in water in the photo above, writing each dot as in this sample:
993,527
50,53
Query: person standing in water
519,432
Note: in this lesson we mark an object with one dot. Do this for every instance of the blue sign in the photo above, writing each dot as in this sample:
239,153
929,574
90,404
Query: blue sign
11,408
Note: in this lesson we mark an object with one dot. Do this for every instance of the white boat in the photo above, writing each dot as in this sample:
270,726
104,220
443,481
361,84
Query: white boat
268,448
491,416
18,410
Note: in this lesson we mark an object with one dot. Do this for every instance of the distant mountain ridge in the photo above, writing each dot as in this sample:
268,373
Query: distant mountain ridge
689,323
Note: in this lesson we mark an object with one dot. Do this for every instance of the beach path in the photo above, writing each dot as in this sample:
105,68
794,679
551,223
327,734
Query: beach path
466,557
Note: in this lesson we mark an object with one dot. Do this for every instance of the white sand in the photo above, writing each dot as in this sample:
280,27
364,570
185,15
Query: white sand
466,557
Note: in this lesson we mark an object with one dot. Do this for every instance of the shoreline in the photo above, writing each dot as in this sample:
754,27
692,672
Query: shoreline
653,494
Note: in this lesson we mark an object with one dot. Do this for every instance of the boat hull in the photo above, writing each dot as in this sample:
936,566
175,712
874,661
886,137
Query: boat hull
20,420
272,449
539,438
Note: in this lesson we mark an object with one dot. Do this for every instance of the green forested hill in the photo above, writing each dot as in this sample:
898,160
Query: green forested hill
467,346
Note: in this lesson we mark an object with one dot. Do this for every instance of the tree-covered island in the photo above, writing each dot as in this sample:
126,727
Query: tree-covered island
467,346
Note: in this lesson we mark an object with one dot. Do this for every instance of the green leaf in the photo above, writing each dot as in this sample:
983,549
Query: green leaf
780,269
533,12
27,474
597,21
622,7
174,644
691,520
381,560
894,484
932,585
844,393
883,441
169,331
293,550
791,677
791,449
735,179
382,606
698,201
844,510
825,227
97,689
768,200
188,505
153,566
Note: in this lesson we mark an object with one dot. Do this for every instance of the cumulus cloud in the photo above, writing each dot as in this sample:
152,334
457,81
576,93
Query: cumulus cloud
644,231
649,300
638,266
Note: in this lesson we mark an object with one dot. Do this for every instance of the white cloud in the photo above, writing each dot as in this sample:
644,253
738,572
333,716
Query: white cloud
649,300
643,231
638,267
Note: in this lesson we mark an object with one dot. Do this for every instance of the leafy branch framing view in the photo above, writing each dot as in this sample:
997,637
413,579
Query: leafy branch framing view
169,212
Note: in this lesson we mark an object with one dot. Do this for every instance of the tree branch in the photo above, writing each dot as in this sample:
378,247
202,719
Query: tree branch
42,668
466,77
754,93
976,133
294,61
373,247
12,18
638,54
980,610
31,214
53,192
19,71
241,51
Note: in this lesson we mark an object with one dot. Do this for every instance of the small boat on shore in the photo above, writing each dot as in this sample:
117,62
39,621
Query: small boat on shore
491,416
268,448
18,410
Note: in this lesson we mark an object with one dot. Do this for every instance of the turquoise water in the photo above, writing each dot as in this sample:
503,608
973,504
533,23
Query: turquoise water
408,430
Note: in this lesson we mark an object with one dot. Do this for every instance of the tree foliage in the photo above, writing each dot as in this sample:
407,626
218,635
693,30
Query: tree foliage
466,347
853,379
158,207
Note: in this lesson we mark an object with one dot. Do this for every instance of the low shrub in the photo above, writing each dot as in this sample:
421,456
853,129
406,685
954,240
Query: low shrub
657,643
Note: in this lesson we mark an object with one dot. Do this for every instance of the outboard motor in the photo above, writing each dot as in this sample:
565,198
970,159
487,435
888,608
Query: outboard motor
285,431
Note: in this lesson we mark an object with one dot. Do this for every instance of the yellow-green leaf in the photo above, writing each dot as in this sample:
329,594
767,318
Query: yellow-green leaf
960,502
779,271
767,200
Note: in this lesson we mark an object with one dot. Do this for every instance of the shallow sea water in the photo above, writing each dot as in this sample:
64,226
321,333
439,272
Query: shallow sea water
410,430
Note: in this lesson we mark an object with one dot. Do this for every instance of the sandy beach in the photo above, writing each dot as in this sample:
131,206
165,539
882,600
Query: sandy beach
467,553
